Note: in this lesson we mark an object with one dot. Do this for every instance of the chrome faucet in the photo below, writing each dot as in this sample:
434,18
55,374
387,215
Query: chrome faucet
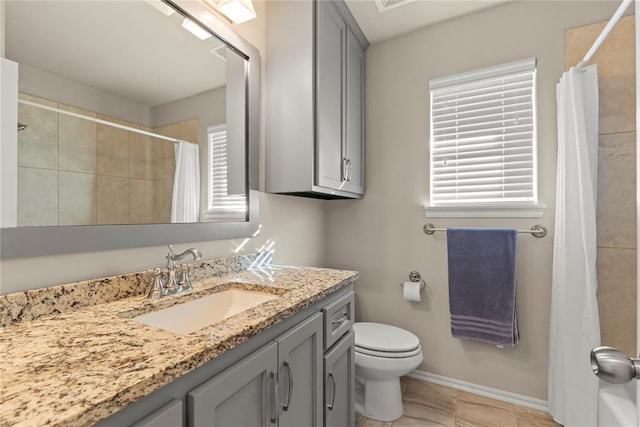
171,258
172,281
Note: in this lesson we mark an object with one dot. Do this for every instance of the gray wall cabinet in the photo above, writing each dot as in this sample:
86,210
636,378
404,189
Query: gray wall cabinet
339,377
276,378
315,100
354,121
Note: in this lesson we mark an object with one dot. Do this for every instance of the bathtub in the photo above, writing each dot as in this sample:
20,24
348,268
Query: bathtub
617,405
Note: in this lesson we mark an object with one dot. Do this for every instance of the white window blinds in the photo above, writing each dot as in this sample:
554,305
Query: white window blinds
483,136
220,203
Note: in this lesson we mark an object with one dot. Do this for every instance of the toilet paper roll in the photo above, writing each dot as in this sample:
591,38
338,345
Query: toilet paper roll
411,291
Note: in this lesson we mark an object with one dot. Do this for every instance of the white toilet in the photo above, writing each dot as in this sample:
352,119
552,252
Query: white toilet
383,354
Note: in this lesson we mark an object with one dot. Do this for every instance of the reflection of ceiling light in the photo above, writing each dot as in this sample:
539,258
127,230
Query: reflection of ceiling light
384,5
238,11
220,51
161,6
195,29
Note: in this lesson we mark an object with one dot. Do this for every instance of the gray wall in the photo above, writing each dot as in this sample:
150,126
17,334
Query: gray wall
60,89
381,236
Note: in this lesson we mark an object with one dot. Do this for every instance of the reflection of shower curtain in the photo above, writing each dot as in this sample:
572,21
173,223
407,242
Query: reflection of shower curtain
185,203
575,329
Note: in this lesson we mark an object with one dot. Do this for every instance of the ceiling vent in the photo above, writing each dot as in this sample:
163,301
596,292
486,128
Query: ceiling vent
220,52
384,5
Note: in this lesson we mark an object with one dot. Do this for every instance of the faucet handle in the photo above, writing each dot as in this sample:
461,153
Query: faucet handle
171,286
185,280
157,288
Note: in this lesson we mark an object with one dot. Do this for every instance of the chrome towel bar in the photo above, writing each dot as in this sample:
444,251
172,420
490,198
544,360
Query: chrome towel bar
537,230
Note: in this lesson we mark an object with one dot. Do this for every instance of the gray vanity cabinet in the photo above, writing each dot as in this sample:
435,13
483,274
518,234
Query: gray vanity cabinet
339,380
170,414
283,376
314,95
241,395
289,370
300,374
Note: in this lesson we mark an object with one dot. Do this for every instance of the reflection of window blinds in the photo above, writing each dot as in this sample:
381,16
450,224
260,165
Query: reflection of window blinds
219,200
483,136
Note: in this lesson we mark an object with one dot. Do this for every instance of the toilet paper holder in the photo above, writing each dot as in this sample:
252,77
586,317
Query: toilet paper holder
414,276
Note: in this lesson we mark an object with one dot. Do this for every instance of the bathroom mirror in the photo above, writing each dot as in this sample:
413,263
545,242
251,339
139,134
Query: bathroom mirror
136,126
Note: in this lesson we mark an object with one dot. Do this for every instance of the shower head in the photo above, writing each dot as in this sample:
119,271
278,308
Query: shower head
21,126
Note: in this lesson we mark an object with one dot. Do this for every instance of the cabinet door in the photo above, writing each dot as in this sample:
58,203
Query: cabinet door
354,145
243,395
300,374
169,415
329,41
339,383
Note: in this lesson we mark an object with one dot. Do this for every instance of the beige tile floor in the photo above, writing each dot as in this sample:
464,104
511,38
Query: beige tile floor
427,404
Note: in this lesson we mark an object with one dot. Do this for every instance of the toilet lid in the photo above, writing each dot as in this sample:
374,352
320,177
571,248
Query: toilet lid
389,354
384,338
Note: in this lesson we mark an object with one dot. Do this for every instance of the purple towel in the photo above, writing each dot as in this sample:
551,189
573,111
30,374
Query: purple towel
482,284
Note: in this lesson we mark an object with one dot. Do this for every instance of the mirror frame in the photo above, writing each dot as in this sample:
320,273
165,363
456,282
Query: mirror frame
21,242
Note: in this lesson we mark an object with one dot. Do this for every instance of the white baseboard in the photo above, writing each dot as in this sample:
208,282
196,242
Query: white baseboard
493,393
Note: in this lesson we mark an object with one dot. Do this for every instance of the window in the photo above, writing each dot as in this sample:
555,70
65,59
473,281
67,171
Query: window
220,204
483,139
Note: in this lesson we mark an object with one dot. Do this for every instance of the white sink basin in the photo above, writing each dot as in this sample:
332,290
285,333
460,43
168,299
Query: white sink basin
194,315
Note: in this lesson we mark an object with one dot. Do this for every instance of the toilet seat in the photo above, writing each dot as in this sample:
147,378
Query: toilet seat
382,340
388,354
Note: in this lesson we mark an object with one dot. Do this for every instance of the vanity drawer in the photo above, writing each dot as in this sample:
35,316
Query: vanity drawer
338,319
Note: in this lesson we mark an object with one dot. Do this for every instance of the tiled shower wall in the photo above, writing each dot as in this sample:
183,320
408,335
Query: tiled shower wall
616,209
76,172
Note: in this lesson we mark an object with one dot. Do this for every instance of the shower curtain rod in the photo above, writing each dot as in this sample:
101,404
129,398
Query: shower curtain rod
605,32
100,121
537,230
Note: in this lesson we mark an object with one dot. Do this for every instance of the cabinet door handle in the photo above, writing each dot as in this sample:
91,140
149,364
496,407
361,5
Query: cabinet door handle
333,392
274,417
285,407
349,169
344,169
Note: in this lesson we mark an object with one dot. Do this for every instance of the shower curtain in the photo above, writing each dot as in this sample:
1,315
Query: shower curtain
185,203
574,327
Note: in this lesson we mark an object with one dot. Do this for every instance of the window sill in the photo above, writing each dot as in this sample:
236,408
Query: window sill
222,214
529,211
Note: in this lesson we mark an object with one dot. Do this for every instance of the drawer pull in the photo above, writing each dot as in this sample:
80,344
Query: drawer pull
285,407
333,392
345,317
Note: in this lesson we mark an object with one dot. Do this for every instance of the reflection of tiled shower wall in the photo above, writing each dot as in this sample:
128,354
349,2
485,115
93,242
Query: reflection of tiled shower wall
75,172
616,210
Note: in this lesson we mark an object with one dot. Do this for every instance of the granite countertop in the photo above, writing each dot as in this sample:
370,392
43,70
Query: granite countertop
80,366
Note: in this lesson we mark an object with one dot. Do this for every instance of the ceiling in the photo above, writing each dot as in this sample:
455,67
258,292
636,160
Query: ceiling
378,26
126,48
